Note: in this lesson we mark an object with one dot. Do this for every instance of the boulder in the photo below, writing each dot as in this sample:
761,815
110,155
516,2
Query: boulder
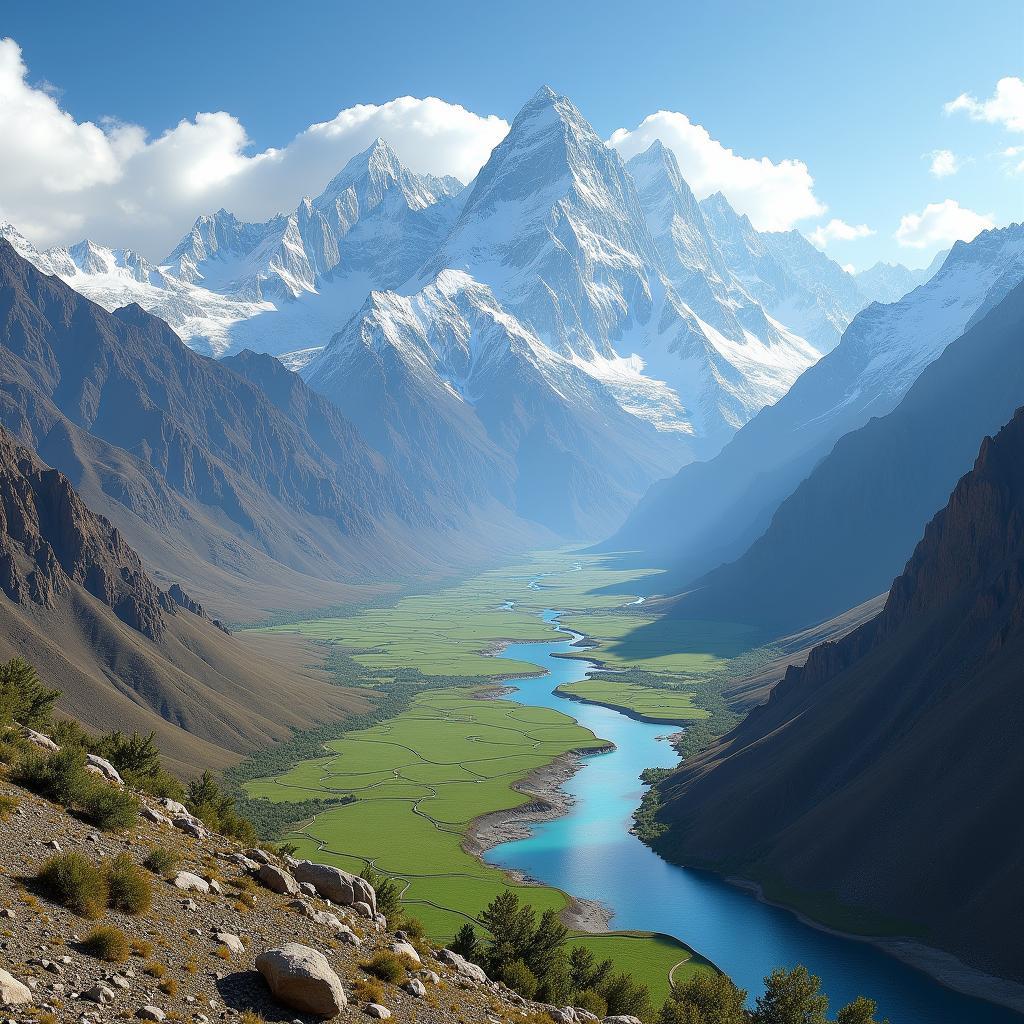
190,882
406,949
585,1016
151,1013
99,994
378,1011
340,887
277,879
190,825
101,766
463,967
302,979
172,806
562,1014
415,987
363,909
260,856
233,942
152,814
12,991
623,1018
39,740
308,888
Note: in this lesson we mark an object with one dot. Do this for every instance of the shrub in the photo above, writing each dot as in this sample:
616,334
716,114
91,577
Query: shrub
137,758
60,776
388,966
216,809
23,698
142,948
466,943
131,891
107,943
161,861
519,977
169,986
590,1000
388,900
8,805
368,990
12,746
251,1017
76,883
155,969
110,809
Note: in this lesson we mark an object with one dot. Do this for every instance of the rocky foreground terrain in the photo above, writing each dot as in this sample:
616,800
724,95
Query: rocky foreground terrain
230,935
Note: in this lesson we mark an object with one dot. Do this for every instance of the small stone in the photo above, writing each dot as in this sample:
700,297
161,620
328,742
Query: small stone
415,987
99,994
233,942
152,814
378,1011
216,887
8,913
188,881
195,931
120,982
92,837
362,909
151,1013
431,976
189,905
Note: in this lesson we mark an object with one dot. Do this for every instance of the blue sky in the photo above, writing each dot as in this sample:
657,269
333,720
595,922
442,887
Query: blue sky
856,92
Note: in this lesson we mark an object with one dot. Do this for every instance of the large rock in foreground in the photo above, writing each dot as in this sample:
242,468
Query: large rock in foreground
302,979
12,991
338,886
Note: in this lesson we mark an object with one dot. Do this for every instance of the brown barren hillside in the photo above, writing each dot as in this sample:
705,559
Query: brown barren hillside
77,602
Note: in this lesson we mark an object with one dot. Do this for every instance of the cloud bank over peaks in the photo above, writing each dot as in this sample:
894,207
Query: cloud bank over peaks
62,180
775,196
941,224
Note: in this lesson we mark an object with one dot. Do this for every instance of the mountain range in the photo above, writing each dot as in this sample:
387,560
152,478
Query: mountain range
711,511
881,776
562,299
846,530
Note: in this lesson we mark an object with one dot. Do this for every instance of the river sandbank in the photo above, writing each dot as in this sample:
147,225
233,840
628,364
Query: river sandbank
548,801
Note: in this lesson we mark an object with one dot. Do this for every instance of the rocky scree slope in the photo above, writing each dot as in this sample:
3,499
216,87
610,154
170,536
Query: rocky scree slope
230,933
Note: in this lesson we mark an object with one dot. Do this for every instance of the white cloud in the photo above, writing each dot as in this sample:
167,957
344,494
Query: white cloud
849,268
941,224
1005,106
1013,155
62,180
944,162
773,195
838,231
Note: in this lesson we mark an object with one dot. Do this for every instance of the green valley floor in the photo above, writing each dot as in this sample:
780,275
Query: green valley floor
421,778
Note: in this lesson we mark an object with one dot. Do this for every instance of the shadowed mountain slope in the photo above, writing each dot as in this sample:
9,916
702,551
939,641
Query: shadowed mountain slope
849,527
880,777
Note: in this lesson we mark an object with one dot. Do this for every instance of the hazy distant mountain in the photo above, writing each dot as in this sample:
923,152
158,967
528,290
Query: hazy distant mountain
794,282
882,775
233,475
849,527
887,282
710,512
447,384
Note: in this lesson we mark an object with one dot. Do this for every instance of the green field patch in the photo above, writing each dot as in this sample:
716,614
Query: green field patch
652,704
662,645
645,957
